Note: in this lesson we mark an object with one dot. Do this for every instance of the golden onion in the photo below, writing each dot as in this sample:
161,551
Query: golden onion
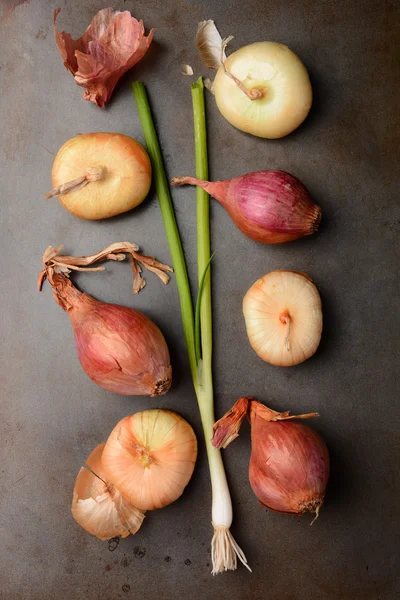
150,457
100,175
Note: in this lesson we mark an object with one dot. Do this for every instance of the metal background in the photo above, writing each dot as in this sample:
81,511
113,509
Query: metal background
52,415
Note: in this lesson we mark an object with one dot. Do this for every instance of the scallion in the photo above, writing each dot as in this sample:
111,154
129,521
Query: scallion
224,549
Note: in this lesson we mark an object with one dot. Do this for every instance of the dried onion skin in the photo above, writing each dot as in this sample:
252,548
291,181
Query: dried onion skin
98,507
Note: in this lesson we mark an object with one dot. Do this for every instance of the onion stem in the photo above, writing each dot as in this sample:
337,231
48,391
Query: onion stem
170,224
224,548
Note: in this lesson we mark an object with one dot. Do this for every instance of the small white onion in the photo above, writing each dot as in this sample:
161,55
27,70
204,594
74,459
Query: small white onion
281,78
283,317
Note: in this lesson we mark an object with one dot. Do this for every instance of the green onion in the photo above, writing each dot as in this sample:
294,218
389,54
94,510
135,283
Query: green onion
224,549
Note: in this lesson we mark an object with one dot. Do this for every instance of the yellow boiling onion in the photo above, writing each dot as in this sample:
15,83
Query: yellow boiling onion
263,89
150,457
98,507
100,175
283,316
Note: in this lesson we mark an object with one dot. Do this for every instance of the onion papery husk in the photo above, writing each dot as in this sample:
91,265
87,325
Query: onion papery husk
289,465
98,506
59,264
112,44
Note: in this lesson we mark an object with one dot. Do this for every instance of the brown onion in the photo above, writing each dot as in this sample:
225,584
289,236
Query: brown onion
289,464
120,348
270,207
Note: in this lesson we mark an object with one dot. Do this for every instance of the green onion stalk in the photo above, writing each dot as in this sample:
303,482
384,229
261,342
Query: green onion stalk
197,324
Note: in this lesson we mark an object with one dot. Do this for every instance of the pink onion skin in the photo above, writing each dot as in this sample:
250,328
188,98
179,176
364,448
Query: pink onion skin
120,348
270,207
289,465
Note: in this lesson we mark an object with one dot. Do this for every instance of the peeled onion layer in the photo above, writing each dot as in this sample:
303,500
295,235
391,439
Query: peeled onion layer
274,70
283,315
122,174
150,457
98,507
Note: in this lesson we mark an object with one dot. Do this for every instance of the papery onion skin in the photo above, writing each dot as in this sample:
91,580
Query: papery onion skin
274,70
111,45
150,457
126,178
120,348
98,507
289,465
270,207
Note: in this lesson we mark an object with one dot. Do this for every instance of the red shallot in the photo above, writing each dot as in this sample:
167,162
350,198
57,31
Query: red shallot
120,348
289,464
270,207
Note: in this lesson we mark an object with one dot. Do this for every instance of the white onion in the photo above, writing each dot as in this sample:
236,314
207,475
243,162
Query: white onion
274,71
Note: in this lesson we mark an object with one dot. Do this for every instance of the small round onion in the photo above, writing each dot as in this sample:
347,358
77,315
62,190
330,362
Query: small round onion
279,78
98,507
150,457
283,317
100,175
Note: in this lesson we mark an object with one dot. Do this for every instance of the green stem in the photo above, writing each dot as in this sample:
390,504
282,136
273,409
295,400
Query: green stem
197,327
168,215
203,225
205,393
224,549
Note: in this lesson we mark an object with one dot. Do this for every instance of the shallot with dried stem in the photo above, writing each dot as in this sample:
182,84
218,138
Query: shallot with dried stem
289,464
120,348
270,207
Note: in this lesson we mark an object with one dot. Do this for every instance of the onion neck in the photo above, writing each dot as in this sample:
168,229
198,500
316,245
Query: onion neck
216,189
64,292
92,174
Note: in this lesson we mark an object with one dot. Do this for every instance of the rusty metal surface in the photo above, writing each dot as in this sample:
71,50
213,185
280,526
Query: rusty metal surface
52,416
